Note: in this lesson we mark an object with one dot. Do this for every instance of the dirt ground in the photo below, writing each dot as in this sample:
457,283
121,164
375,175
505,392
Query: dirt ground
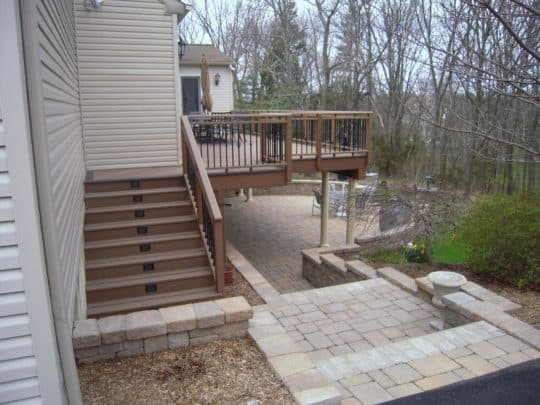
528,299
229,371
240,286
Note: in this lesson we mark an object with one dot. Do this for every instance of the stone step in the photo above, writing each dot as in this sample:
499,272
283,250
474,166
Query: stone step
405,351
361,269
476,291
424,363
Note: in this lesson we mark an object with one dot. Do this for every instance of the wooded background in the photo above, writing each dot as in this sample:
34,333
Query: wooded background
453,84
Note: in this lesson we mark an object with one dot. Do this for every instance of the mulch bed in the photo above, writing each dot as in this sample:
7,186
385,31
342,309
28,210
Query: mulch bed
240,286
528,299
229,371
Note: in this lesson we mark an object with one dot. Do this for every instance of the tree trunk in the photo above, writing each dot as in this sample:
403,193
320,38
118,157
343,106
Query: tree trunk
509,174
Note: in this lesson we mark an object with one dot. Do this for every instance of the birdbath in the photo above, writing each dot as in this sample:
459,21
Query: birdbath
444,282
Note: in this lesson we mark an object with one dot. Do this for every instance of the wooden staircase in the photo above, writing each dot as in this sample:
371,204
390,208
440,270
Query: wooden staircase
143,246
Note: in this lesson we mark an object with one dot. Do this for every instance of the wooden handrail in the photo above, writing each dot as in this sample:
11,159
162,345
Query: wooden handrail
206,203
200,169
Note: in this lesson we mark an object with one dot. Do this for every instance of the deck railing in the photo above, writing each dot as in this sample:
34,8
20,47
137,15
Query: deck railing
253,139
330,133
207,209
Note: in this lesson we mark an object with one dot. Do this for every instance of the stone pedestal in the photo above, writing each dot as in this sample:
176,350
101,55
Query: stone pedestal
444,282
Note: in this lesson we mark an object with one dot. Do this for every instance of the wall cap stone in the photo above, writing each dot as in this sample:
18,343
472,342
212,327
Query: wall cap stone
179,318
208,314
145,324
398,278
112,329
236,309
86,334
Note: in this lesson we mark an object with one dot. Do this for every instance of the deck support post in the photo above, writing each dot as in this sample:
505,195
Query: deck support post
249,194
325,205
351,211
241,194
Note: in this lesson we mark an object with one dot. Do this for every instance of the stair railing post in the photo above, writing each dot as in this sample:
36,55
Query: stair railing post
288,147
200,202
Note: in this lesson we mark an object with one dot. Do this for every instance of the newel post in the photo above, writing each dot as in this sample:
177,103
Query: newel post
184,147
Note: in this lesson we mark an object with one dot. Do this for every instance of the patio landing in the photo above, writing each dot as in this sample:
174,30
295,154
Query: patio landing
369,341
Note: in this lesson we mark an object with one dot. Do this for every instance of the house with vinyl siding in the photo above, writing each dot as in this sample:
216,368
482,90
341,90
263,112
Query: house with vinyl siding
106,205
81,88
221,79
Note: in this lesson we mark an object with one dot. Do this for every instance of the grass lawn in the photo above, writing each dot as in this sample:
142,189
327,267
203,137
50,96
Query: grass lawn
449,252
388,256
445,251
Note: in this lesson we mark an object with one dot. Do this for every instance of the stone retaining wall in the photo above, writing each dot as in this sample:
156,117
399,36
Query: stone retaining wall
324,267
151,331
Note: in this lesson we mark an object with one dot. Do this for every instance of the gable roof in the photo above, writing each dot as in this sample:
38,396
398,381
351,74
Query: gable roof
194,53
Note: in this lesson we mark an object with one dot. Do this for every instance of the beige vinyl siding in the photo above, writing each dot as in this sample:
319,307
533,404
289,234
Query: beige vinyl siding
222,94
55,119
18,372
20,325
126,55
62,129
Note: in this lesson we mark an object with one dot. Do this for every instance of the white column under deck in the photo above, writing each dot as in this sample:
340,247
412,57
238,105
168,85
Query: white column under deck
249,194
325,204
351,211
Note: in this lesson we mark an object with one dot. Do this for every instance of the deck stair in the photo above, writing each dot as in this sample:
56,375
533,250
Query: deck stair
143,246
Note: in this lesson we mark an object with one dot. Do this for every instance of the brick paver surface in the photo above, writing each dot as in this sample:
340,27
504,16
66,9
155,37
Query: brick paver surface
331,318
271,231
372,342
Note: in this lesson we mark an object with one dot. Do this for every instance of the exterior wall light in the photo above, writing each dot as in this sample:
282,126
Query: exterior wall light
90,4
181,47
216,79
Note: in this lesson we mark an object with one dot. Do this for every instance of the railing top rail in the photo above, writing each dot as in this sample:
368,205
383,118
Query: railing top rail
206,186
302,111
278,115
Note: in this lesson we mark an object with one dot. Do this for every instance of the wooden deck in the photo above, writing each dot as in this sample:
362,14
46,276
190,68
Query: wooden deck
264,149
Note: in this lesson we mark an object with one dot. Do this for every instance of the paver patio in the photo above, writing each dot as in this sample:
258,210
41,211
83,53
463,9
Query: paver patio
371,342
271,231
363,342
332,321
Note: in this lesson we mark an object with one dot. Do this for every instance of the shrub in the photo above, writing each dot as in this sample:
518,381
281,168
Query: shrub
503,235
415,252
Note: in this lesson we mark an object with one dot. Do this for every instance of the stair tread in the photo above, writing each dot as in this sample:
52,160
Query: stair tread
140,173
155,257
122,193
137,206
151,277
137,240
154,300
138,222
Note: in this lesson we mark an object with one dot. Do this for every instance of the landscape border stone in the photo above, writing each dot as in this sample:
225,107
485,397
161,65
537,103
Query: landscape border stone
150,331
